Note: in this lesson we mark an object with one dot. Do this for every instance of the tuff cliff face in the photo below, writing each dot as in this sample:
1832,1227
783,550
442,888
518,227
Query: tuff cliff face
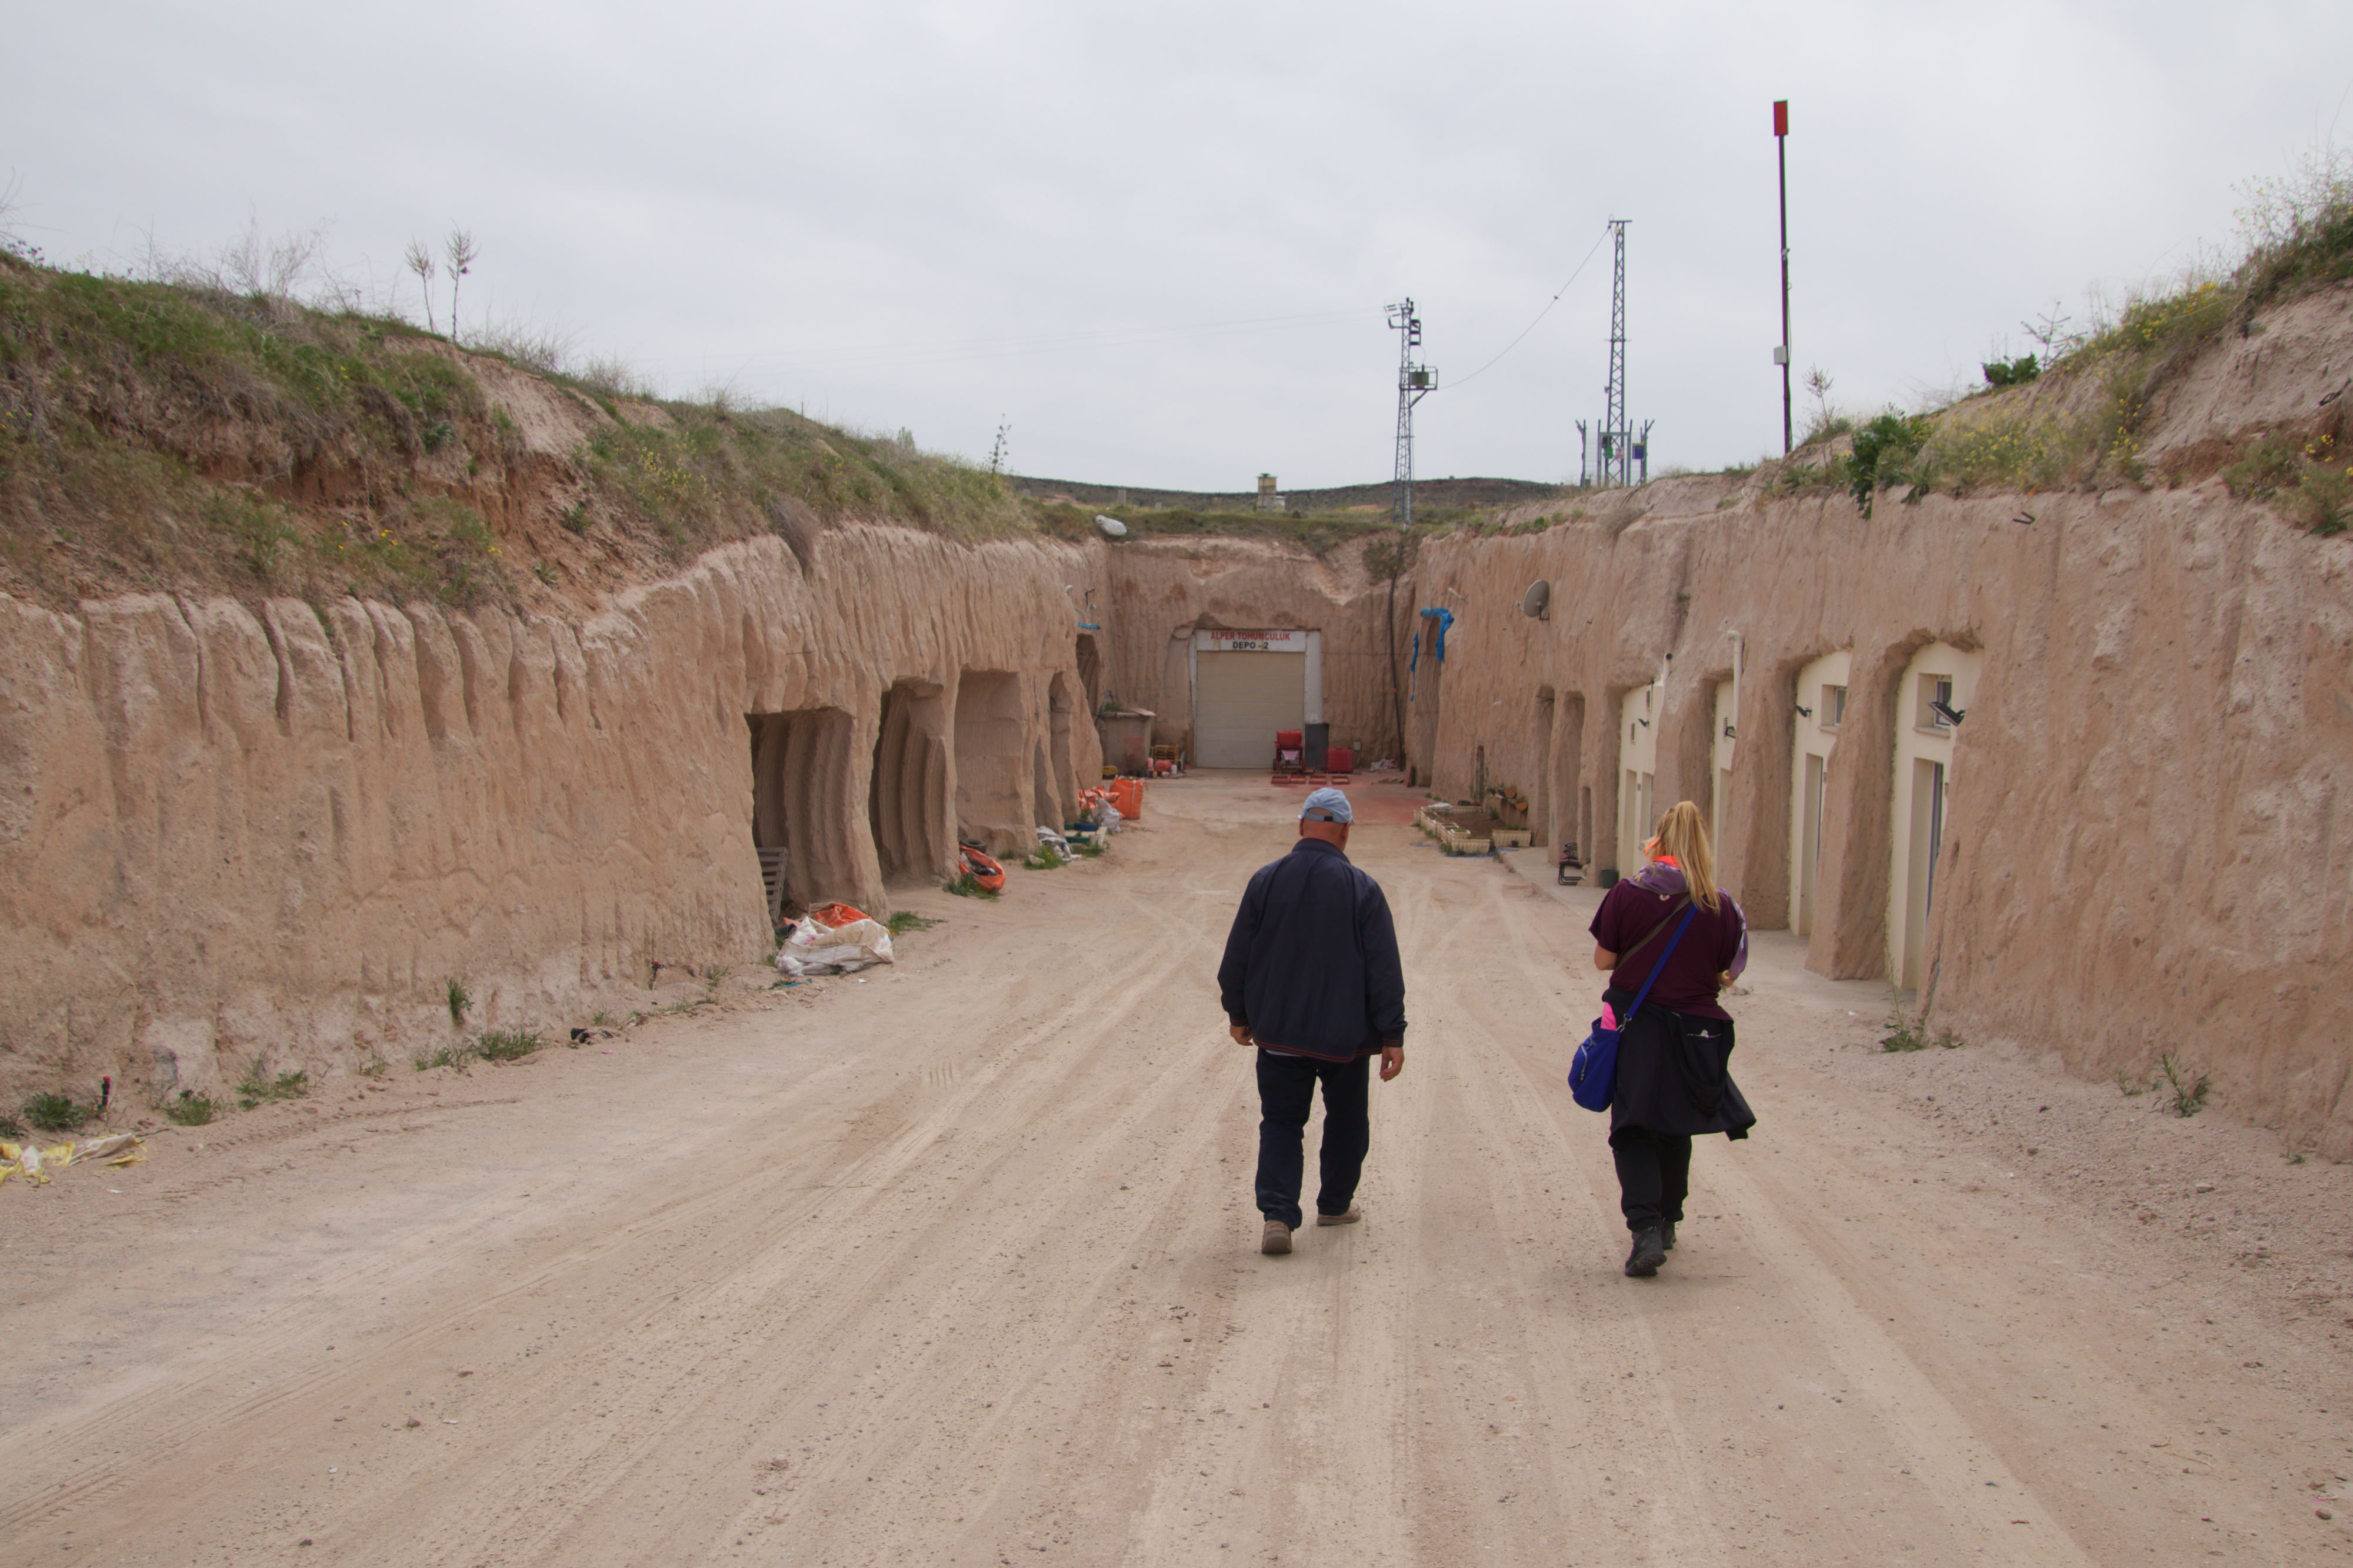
2139,851
232,835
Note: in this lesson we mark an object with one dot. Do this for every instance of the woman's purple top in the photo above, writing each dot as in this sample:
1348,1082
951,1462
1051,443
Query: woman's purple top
1716,941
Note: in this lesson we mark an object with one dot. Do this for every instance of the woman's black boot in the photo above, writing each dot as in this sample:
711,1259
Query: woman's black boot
1649,1251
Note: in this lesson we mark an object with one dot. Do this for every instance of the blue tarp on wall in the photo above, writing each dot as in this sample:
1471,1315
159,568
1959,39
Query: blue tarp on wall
1444,618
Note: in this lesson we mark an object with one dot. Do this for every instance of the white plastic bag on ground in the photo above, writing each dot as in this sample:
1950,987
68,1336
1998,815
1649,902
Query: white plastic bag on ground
818,946
1055,845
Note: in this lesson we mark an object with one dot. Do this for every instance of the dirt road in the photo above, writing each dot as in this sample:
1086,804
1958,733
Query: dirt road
958,1266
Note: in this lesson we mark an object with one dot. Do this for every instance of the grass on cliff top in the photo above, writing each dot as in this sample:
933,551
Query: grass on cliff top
1318,533
167,436
2080,421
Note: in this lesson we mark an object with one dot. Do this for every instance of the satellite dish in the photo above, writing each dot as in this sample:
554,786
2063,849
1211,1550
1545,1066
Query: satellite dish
1536,599
1112,526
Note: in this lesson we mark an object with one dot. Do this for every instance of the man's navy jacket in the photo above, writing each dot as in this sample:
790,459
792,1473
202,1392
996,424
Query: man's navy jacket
1312,963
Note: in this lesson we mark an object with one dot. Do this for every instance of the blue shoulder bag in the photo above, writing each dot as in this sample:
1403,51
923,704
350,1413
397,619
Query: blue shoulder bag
1593,1075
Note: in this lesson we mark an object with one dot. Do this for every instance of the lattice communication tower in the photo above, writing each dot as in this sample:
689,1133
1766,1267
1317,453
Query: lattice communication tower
1623,451
1415,381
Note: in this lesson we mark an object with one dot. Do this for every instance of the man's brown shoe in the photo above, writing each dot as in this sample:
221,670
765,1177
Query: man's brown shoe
1351,1217
1278,1239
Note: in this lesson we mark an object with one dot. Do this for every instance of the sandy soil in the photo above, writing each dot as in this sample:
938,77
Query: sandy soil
958,1266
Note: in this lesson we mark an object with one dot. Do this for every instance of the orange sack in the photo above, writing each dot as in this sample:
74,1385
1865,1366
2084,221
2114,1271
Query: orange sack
984,871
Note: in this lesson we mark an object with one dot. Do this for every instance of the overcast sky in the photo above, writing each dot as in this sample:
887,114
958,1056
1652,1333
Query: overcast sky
1157,240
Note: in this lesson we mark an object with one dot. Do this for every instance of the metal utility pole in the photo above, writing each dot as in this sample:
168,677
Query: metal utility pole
1781,157
1584,445
1415,381
1615,447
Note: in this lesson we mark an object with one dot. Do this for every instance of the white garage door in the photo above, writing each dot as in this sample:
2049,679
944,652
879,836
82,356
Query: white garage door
1240,700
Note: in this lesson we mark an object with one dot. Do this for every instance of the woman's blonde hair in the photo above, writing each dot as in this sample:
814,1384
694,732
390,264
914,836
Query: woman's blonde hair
1682,836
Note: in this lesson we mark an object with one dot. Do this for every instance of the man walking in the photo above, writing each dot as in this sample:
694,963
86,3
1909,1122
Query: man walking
1310,977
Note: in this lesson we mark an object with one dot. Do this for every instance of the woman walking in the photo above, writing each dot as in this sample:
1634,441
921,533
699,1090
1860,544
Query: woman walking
1675,1077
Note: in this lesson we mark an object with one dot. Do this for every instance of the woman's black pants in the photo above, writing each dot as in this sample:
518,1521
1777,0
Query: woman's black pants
1653,1175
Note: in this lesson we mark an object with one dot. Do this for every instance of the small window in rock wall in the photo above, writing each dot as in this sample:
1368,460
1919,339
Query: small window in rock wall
1833,708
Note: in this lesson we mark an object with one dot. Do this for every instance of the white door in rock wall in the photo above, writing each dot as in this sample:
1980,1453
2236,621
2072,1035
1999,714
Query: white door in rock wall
1937,691
1637,762
1821,709
1247,686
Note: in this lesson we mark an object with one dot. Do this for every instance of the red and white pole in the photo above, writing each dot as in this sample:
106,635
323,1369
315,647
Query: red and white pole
1781,156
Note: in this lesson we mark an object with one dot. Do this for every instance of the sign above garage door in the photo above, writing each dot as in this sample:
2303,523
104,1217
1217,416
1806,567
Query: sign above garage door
1224,641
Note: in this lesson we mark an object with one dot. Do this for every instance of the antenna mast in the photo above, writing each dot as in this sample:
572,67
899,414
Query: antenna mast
1415,381
1622,451
1615,446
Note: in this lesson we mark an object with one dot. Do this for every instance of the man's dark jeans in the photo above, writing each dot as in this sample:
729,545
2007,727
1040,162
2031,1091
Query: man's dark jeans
1286,1087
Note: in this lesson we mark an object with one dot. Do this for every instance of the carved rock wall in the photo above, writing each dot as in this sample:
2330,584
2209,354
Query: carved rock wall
228,834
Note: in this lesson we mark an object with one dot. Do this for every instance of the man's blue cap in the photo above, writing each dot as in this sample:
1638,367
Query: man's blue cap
1327,805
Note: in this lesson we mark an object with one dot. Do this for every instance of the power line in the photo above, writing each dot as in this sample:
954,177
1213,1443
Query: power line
1531,327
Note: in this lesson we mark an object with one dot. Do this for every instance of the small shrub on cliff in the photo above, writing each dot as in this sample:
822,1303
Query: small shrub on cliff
459,1000
2299,226
258,532
191,1109
2173,321
2323,502
1827,425
2271,463
56,1113
1882,449
460,1055
967,886
1794,477
2014,448
1908,1035
2188,1094
2311,488
507,1046
10,1126
2011,372
260,1087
